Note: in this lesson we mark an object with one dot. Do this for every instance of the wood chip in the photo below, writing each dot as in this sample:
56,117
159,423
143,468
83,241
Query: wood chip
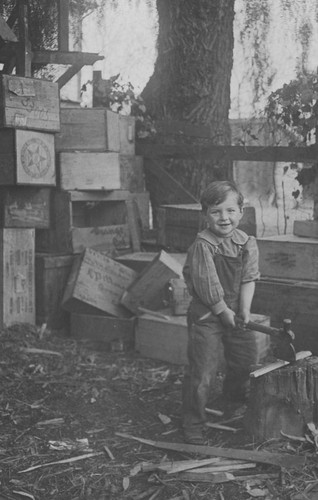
65,461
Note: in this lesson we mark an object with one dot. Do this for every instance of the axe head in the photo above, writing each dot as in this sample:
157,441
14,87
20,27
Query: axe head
284,343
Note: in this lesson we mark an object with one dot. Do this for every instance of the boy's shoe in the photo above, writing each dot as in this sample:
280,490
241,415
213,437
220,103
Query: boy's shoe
194,435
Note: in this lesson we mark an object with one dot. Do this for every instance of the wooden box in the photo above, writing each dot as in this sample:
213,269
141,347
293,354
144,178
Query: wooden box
17,296
81,219
138,261
103,329
100,170
179,297
289,256
24,206
51,275
178,225
27,157
99,282
29,103
306,228
167,339
148,289
95,129
293,299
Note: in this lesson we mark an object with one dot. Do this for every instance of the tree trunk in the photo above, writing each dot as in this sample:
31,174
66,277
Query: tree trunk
191,80
283,400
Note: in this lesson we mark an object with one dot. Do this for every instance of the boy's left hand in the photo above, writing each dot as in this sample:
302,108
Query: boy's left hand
244,315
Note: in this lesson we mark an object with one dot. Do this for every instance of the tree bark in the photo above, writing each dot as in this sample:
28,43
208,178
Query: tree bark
191,81
283,400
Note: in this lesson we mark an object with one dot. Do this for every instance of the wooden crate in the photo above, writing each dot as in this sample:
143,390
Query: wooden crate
148,289
81,219
179,297
17,296
95,129
99,282
29,103
103,329
289,256
24,206
85,170
167,340
51,275
178,225
294,299
27,157
138,261
306,228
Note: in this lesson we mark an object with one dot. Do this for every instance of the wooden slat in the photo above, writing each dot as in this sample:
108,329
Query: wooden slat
235,153
6,33
59,57
69,73
24,54
63,24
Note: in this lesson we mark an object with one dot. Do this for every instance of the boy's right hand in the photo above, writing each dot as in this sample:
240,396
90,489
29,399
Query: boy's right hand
227,318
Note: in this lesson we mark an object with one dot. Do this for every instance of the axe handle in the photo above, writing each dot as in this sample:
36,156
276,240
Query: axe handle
269,330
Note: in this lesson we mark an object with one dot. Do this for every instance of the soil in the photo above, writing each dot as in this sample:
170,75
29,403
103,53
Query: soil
67,402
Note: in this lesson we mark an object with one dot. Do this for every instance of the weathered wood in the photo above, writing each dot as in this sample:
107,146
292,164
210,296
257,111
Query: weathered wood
101,170
51,275
97,281
148,288
24,206
62,57
17,304
289,256
24,52
306,228
80,221
292,299
63,24
102,329
238,153
286,460
26,157
139,260
179,297
278,364
283,400
127,134
6,32
29,103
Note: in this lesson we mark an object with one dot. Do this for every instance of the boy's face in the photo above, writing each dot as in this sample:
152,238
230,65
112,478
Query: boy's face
222,219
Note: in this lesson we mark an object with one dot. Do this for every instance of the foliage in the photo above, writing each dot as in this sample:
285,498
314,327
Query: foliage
294,107
121,98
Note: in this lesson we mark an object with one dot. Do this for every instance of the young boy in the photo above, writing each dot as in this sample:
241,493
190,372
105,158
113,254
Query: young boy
220,272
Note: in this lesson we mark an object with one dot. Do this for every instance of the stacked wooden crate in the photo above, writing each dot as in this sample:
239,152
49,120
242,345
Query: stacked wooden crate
100,201
29,118
289,284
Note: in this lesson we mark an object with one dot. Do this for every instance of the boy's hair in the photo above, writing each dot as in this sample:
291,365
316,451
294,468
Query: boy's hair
217,192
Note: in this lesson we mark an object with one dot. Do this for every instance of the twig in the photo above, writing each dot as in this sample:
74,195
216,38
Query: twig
34,350
65,461
109,453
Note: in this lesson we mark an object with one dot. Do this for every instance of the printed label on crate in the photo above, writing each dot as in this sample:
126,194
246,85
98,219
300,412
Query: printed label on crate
35,157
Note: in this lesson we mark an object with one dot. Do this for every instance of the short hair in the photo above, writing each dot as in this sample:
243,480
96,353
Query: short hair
216,192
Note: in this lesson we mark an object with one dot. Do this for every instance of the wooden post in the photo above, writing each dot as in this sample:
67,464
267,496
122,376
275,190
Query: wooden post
283,400
24,53
63,25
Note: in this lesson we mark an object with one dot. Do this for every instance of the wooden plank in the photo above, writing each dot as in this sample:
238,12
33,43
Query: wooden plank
148,289
62,57
285,460
103,329
24,207
289,256
115,195
227,152
278,364
103,238
69,73
27,157
17,295
29,103
134,229
98,281
24,52
51,275
127,134
179,297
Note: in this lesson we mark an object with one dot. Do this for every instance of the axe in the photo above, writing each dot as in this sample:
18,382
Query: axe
284,346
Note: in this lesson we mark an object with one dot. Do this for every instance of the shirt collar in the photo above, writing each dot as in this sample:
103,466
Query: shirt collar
238,237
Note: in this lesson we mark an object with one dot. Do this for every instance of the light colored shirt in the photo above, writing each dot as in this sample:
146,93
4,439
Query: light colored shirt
199,270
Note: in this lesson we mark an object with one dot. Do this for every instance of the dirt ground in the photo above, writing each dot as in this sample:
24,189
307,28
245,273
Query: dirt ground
65,404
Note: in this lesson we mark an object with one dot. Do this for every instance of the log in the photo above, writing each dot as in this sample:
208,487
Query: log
283,400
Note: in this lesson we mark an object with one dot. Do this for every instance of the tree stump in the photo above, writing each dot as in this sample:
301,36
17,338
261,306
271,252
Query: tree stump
283,400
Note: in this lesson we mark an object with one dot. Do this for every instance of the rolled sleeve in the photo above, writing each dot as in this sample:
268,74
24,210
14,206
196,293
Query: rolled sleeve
250,270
